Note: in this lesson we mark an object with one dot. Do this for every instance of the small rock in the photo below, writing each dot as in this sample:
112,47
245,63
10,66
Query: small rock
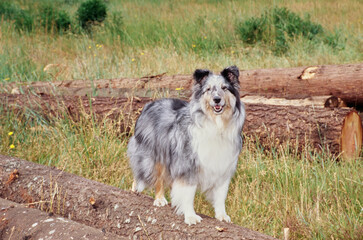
116,207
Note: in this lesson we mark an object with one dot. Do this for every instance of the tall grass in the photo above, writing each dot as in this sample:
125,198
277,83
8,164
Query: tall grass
312,194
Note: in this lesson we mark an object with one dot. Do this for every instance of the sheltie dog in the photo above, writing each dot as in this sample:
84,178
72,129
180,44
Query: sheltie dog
191,145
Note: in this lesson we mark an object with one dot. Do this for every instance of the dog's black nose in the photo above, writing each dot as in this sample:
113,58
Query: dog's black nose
217,99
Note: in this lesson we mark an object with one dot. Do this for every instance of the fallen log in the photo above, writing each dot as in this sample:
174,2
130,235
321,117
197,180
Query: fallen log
341,81
75,106
100,206
337,130
22,222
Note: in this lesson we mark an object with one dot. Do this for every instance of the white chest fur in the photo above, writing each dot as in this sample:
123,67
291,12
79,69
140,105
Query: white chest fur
217,150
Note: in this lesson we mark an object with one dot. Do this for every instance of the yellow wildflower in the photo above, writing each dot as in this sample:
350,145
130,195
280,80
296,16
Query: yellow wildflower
193,45
142,54
6,79
133,60
178,89
10,133
12,146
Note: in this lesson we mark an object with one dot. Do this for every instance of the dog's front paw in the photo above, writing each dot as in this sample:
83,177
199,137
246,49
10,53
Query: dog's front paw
223,217
192,219
160,202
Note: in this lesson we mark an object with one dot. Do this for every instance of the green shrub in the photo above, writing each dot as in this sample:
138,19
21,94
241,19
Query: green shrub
23,20
290,23
7,10
63,21
91,12
252,30
52,19
276,27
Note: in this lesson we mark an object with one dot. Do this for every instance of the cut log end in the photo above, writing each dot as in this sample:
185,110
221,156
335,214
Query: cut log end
351,136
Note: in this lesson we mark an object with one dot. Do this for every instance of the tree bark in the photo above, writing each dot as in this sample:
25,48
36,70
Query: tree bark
342,81
104,207
320,128
75,106
23,222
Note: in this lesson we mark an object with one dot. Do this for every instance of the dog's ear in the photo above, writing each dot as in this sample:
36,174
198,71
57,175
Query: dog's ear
231,74
201,74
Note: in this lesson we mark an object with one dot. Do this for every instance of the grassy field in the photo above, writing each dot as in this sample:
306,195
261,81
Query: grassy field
140,38
312,194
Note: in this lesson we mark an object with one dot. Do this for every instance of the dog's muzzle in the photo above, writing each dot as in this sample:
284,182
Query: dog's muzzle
218,108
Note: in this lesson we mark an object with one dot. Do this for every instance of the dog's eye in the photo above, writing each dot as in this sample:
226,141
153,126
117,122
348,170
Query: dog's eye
208,89
224,88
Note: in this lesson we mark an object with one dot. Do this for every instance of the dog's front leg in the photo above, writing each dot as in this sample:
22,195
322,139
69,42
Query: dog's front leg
218,197
182,198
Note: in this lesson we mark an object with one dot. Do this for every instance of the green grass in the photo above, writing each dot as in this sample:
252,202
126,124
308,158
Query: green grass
312,194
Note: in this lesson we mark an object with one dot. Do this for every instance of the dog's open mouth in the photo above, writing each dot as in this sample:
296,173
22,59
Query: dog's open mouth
218,109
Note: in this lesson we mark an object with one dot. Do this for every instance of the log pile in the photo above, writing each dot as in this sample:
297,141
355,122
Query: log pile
306,105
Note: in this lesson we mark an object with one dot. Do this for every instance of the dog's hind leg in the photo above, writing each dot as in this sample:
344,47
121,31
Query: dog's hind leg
160,200
138,186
